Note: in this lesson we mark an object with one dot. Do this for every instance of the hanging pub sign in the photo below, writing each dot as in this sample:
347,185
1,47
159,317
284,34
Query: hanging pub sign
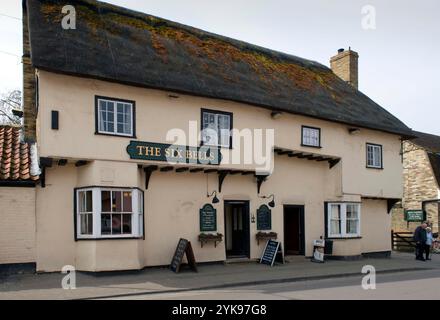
264,218
206,155
414,215
208,218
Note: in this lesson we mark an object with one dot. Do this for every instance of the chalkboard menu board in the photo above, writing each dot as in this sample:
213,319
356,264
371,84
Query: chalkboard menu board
273,251
208,218
184,246
264,218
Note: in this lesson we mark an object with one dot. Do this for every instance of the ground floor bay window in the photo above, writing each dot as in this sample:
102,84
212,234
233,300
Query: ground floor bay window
102,213
343,220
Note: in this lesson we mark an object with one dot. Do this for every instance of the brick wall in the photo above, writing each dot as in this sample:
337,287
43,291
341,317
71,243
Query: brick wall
17,225
419,184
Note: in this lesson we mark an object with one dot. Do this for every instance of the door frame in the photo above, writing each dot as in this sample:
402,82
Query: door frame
247,230
302,237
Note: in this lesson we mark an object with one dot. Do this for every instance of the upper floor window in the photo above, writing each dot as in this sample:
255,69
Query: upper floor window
311,137
374,156
109,213
216,128
115,117
343,220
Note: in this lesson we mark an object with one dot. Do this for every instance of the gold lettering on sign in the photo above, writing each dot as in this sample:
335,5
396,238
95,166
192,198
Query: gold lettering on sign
139,150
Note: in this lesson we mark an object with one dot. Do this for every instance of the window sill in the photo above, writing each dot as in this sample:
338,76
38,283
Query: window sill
344,238
375,168
310,146
109,238
115,135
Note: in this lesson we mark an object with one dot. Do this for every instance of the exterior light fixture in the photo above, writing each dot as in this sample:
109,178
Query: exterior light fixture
271,203
215,199
276,114
353,130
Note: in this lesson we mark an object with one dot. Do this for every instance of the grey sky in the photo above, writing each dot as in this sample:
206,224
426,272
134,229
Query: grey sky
398,67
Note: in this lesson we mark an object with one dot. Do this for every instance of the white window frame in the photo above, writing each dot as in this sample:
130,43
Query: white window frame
377,155
305,138
137,215
115,117
219,131
343,217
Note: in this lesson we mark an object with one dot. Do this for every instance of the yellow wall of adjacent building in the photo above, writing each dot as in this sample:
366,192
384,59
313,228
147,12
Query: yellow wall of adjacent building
17,227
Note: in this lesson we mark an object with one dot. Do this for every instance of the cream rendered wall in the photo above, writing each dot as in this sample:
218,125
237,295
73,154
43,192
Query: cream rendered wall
173,200
156,113
17,227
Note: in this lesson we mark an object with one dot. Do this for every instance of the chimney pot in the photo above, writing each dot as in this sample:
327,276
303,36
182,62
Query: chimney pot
341,50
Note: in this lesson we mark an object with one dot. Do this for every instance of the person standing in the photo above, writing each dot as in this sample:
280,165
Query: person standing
420,239
428,244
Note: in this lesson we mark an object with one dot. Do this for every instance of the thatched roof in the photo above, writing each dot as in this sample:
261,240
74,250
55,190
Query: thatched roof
115,44
427,141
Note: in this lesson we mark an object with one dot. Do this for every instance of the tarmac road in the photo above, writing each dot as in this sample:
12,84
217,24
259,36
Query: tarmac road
419,285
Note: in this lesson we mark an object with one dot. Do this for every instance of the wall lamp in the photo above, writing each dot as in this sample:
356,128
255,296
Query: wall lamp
271,203
276,114
215,199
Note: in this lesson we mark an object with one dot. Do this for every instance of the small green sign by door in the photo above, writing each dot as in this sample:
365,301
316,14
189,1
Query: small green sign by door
208,218
414,215
264,218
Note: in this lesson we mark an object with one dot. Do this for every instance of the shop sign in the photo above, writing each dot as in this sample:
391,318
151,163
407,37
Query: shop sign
272,252
414,215
205,155
208,218
264,218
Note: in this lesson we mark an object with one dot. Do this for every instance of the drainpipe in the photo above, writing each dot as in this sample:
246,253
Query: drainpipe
424,203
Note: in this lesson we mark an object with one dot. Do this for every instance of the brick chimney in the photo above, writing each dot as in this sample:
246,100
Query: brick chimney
345,66
29,84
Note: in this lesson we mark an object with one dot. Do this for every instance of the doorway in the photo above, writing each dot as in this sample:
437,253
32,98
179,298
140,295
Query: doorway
294,237
237,229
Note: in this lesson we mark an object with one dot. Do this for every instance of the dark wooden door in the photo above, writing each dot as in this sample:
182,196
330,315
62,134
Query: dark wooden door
240,229
293,230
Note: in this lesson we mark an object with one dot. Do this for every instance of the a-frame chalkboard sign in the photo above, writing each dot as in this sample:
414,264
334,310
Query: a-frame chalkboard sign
272,252
183,247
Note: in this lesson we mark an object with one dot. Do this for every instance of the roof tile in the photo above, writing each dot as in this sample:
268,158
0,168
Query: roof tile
15,157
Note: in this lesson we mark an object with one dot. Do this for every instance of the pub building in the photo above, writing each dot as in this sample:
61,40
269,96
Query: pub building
116,194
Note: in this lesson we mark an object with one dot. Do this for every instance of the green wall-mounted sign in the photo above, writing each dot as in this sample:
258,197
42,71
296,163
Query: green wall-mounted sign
171,153
208,218
414,215
264,218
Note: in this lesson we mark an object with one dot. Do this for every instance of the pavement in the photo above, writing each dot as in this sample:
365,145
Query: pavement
154,281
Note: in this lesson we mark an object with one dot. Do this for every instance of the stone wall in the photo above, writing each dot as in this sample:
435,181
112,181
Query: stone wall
419,184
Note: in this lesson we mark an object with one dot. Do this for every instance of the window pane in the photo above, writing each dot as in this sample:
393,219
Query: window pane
335,219
127,203
106,224
105,201
311,137
126,226
106,116
116,224
210,132
89,202
352,226
86,224
116,201
82,201
224,129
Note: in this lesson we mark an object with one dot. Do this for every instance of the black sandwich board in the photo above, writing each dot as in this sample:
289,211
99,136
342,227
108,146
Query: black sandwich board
272,252
183,247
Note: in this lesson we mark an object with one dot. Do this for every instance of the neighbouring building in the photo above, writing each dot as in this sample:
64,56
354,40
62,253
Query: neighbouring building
421,176
18,176
106,100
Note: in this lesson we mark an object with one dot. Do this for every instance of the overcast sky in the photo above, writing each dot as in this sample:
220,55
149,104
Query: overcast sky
399,63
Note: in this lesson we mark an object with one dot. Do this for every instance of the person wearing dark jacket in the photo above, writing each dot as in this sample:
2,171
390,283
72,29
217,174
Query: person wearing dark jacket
420,239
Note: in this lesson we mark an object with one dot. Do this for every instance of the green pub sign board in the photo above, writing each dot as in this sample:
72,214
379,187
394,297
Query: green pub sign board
171,153
208,218
414,215
264,218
